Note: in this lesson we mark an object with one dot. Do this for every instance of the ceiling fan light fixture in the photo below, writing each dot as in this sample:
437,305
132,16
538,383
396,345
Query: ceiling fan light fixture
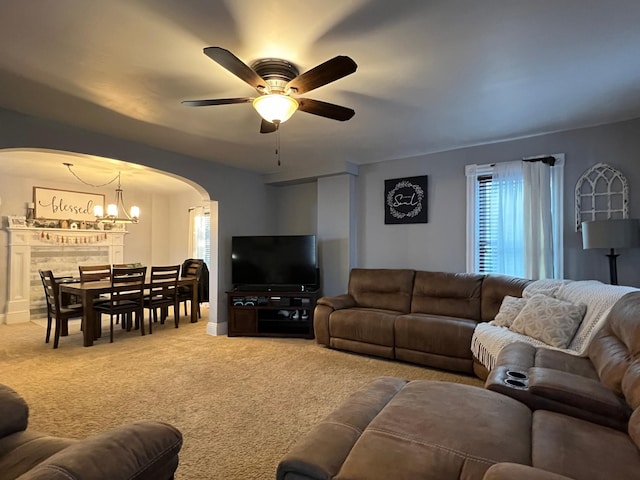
275,108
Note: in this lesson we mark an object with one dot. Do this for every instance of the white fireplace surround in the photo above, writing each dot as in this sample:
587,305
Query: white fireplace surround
23,242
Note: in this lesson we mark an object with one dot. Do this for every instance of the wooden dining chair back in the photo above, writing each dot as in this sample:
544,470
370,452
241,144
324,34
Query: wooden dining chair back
126,298
163,293
94,273
55,311
190,268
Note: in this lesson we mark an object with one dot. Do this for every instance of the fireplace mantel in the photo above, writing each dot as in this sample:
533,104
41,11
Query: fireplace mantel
58,242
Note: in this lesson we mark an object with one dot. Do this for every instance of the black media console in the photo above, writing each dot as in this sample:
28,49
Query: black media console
271,313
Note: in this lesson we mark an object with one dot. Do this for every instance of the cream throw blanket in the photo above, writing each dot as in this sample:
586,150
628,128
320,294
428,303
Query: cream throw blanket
488,339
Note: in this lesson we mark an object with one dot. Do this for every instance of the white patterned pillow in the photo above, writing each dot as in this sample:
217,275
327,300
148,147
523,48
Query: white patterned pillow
550,320
509,310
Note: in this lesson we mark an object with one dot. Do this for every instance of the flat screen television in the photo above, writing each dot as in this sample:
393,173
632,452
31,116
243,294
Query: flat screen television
274,262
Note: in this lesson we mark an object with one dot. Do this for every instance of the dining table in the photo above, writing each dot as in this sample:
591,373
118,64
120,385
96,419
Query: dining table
89,291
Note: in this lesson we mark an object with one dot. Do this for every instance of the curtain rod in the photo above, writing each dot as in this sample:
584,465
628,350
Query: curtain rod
548,160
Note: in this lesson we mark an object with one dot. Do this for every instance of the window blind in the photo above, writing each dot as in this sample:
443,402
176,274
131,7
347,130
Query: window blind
487,225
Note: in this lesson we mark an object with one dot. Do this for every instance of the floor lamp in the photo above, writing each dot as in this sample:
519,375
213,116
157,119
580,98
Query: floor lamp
611,234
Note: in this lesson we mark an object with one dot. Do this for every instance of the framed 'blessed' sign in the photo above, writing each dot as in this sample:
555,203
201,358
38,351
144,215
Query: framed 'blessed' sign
405,200
54,204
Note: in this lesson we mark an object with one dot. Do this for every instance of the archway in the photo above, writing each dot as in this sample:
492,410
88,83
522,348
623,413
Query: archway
156,239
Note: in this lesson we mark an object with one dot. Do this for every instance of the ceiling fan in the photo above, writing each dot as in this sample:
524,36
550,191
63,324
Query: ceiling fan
276,81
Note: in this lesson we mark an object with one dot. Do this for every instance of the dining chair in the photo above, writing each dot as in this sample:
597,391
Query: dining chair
54,309
126,298
191,267
163,293
94,273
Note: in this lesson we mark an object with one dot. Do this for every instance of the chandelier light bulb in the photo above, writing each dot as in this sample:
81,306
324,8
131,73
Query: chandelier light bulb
112,210
98,211
135,212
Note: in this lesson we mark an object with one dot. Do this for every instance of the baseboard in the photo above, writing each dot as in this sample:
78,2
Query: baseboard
216,329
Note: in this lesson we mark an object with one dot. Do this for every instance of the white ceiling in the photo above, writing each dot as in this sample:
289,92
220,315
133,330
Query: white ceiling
432,75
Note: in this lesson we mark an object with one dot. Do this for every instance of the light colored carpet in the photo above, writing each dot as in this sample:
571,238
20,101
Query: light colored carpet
240,403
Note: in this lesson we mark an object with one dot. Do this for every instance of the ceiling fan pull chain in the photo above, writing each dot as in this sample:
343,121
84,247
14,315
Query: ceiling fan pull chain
278,145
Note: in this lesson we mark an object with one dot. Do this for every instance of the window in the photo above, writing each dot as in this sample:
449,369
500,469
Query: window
199,238
514,218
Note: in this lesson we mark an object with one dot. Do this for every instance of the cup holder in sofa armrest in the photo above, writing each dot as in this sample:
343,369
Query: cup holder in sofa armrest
516,379
518,374
516,383
508,380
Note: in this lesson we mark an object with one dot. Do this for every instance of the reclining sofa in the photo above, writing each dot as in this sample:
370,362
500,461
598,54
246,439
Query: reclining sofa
433,430
143,450
421,317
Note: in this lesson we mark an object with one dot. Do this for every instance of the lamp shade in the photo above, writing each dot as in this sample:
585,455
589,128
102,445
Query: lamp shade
275,108
611,233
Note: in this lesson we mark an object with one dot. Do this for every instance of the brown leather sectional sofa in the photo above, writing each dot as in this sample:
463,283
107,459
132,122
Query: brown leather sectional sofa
600,388
421,317
144,450
403,430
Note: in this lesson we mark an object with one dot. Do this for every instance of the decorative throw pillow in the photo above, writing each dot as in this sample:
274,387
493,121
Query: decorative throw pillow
550,320
509,310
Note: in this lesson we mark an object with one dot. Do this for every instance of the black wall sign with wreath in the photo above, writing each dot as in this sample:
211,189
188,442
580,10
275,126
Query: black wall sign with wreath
405,200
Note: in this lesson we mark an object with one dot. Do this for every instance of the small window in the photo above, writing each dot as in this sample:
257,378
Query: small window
500,234
200,237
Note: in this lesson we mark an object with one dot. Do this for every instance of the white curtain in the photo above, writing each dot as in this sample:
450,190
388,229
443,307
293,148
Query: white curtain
508,200
538,227
197,232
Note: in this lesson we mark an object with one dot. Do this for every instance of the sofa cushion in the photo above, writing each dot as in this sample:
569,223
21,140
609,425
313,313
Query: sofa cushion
436,334
509,310
368,325
549,319
512,471
582,450
423,432
494,289
564,362
322,451
634,427
449,294
387,289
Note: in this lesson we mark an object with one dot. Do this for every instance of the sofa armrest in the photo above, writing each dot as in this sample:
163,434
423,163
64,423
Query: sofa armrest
14,412
518,355
143,450
515,471
339,302
585,393
325,306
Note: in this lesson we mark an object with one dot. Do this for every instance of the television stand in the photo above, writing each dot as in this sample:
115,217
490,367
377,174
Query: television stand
271,313
271,288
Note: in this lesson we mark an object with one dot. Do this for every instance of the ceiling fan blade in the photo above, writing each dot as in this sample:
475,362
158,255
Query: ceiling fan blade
324,109
215,101
236,66
267,127
326,72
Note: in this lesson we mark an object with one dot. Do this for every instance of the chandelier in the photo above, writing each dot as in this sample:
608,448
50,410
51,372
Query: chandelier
116,211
